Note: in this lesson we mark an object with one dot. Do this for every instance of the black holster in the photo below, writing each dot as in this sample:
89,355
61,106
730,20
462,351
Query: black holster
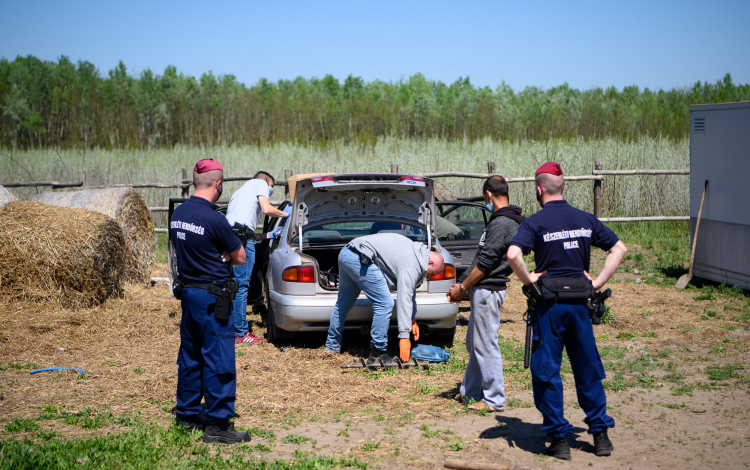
177,287
225,295
243,232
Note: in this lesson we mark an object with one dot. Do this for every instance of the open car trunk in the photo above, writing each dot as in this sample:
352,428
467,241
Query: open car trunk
328,265
391,200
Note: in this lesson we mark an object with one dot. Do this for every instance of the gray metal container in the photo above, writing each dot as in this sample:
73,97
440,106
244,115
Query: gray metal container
720,153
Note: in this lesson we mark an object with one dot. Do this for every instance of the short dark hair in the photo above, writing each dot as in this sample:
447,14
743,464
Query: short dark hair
496,185
263,175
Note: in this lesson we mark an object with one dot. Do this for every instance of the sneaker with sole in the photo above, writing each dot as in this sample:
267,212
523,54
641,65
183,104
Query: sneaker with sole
559,448
602,445
248,338
224,432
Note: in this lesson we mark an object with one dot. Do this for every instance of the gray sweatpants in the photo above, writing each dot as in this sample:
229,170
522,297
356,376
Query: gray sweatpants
483,379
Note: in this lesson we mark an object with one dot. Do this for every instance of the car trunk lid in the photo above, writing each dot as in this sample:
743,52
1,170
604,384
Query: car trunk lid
377,197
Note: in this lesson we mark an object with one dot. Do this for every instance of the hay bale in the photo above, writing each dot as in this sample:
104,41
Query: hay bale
75,257
6,196
127,207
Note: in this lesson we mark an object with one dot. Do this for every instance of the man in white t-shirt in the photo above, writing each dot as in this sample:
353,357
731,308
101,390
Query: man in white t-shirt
243,210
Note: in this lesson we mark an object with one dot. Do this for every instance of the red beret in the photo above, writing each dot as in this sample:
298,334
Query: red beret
549,167
208,164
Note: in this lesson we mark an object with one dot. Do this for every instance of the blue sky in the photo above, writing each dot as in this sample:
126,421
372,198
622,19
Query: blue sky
651,44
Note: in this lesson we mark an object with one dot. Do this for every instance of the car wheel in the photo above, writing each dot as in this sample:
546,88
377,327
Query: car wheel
274,334
443,336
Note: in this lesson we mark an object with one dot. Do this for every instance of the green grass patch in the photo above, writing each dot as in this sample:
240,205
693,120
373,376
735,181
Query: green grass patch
516,403
625,335
22,425
723,372
609,315
294,439
426,432
648,334
261,433
612,352
682,390
13,365
705,296
370,446
150,446
510,348
666,352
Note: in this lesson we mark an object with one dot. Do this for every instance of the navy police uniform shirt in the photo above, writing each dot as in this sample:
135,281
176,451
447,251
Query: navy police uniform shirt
561,237
200,235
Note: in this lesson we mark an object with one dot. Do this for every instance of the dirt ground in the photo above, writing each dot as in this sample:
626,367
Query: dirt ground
675,360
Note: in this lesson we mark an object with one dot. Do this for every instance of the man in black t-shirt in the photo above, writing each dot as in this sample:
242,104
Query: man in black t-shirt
205,246
561,238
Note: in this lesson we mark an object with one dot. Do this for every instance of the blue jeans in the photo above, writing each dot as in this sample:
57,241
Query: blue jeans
567,325
205,362
353,279
242,275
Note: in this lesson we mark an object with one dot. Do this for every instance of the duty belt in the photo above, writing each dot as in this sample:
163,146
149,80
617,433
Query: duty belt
204,286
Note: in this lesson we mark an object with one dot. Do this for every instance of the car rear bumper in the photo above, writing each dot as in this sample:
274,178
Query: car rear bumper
313,313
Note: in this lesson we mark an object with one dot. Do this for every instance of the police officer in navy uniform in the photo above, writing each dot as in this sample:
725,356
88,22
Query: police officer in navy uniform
205,246
561,238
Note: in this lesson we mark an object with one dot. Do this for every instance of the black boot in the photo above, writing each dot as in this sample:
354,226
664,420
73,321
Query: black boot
190,423
224,431
603,446
559,448
376,355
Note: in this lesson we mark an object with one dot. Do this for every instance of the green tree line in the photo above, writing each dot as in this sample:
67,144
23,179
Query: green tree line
65,104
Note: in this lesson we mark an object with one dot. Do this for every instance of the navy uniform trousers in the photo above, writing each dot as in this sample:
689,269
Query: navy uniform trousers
205,363
569,325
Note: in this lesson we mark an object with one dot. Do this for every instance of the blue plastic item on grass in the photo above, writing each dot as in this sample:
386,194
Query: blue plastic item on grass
424,352
50,369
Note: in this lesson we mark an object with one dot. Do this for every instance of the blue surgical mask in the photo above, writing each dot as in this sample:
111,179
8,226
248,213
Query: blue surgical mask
489,206
270,191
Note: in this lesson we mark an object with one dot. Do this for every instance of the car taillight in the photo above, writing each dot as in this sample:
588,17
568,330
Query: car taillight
449,272
318,179
299,274
410,178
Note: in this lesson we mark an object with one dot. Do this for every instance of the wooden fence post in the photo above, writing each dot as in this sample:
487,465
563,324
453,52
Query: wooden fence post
598,192
491,168
185,189
287,174
394,168
82,177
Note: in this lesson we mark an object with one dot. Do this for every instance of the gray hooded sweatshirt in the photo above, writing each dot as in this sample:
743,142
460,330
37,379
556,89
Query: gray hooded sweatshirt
404,265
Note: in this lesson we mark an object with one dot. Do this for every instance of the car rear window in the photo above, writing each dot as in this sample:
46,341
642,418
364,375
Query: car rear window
348,231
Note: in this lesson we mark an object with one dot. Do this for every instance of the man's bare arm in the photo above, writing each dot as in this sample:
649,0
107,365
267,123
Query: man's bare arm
236,257
515,259
611,263
268,209
456,294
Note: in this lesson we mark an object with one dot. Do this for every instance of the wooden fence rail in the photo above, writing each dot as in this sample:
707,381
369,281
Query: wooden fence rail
597,175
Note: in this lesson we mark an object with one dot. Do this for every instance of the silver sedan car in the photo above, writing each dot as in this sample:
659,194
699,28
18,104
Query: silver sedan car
295,279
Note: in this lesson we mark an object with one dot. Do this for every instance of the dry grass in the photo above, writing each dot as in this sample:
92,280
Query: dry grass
129,209
129,347
71,256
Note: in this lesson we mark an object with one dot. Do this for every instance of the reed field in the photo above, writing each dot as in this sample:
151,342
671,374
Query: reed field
622,195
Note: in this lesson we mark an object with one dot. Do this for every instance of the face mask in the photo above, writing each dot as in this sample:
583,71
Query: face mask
489,206
270,191
539,200
221,190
